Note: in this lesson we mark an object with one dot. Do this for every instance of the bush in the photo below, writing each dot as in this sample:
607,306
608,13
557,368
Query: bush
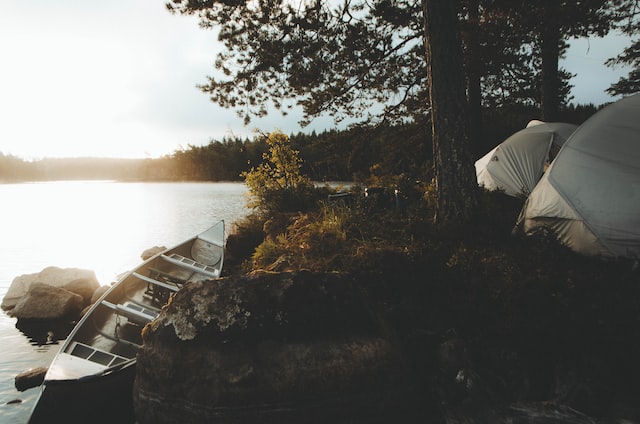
246,235
277,185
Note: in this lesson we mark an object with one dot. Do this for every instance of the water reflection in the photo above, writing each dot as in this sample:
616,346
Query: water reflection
105,226
44,332
99,226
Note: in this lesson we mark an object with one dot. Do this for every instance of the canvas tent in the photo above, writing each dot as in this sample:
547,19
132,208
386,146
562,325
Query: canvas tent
590,195
516,165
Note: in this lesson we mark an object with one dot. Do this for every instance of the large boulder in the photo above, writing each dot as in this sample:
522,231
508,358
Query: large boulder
48,303
83,287
80,281
151,252
98,293
281,348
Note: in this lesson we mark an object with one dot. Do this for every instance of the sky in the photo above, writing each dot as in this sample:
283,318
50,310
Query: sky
118,78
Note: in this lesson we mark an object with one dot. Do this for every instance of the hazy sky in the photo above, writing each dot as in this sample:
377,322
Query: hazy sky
117,79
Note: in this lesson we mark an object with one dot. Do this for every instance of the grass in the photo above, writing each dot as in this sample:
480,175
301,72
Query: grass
539,322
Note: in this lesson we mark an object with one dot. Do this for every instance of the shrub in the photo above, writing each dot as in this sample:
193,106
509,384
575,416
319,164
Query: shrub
246,235
277,185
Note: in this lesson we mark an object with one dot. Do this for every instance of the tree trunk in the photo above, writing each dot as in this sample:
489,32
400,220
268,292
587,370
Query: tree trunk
456,187
550,46
474,92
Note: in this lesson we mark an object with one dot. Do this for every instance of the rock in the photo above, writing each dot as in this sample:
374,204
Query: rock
30,378
452,356
48,303
544,413
99,292
84,310
281,348
84,287
78,279
152,251
518,413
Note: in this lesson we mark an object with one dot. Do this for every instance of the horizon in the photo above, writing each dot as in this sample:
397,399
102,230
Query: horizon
74,87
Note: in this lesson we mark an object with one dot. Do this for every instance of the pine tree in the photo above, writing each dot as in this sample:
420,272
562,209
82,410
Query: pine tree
365,60
454,174
551,23
627,16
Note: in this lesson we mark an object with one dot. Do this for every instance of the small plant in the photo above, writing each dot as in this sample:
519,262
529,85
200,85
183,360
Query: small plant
277,185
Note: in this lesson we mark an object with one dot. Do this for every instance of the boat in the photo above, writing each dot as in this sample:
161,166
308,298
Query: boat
91,377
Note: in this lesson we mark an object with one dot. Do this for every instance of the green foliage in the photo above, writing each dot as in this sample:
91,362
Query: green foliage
360,236
315,55
628,19
217,161
354,235
340,58
247,234
277,185
545,26
320,241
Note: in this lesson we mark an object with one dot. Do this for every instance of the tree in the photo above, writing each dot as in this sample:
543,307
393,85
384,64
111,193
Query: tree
551,23
358,59
336,58
340,58
628,17
455,178
499,63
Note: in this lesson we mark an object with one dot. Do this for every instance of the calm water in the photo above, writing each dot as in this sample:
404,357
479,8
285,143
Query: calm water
101,226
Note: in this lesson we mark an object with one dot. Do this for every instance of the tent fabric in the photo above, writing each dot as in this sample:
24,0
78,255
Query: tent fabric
590,195
534,122
516,164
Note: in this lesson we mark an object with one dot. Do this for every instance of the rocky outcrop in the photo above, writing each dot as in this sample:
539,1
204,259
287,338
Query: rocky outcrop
291,347
79,281
152,251
48,303
303,347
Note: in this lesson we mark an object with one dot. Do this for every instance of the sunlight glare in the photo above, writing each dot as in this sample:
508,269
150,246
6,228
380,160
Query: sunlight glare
87,229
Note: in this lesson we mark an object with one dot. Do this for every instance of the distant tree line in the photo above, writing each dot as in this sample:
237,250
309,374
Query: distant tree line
406,61
357,154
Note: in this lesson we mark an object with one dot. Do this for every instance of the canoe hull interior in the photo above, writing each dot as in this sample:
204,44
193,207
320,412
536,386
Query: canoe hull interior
92,375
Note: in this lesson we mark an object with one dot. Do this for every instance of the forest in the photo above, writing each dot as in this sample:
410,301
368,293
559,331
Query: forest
366,62
360,154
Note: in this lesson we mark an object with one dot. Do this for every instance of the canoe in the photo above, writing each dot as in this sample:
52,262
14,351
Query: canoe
95,366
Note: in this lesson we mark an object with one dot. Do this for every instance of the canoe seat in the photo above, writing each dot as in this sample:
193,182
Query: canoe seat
134,313
159,274
98,356
160,285
192,265
156,282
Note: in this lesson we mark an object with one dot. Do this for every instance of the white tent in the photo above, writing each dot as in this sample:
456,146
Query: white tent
590,195
516,165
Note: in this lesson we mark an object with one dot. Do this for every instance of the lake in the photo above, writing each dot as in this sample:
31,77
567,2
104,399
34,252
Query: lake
98,225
